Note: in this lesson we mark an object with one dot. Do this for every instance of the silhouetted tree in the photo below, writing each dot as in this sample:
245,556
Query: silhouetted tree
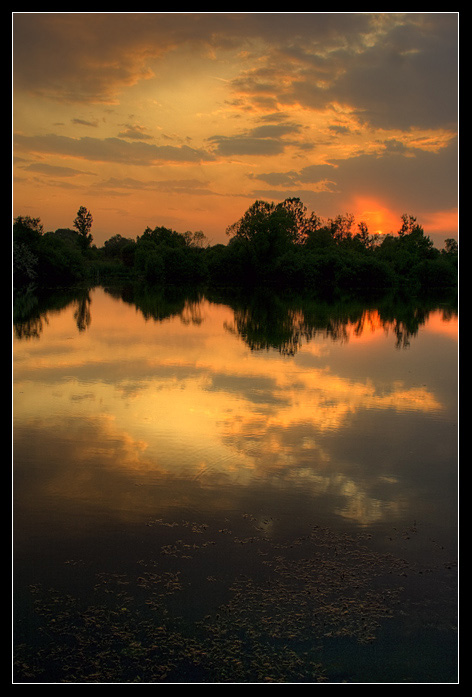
195,239
162,236
281,223
363,236
319,240
83,224
114,246
27,234
43,258
409,225
279,245
451,246
67,234
27,230
268,231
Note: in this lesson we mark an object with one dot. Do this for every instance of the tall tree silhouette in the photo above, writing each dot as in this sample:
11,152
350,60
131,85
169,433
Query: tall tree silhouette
83,225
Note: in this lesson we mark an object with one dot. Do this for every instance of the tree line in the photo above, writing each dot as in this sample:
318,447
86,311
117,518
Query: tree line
274,245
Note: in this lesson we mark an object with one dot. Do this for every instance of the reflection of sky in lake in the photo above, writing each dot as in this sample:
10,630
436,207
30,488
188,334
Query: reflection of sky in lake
132,415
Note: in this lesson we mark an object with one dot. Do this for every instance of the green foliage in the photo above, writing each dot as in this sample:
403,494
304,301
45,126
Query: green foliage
148,263
25,264
61,263
163,255
115,245
272,245
436,273
163,236
27,230
320,241
43,259
272,228
68,235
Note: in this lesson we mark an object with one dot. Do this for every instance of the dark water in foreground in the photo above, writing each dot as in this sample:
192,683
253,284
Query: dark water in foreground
234,491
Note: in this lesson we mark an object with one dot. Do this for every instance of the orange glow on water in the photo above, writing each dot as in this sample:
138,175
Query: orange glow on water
187,396
439,323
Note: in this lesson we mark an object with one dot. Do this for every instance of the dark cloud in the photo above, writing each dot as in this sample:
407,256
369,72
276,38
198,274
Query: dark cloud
414,178
417,180
83,122
134,133
110,149
275,130
53,170
409,80
394,69
76,57
228,146
400,72
194,187
339,130
261,140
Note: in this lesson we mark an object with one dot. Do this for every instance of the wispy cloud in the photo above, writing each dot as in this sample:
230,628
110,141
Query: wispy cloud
53,170
135,132
195,187
110,149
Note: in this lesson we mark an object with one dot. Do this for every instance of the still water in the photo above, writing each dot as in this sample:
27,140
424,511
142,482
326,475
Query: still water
213,489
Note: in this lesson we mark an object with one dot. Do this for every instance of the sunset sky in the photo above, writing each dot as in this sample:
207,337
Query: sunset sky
185,119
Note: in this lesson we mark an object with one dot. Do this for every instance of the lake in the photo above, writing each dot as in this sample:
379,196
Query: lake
234,488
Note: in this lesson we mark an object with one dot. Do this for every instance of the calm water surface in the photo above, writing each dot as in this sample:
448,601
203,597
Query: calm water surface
211,490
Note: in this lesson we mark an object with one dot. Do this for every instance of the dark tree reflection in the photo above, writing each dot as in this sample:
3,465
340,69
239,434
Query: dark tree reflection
263,320
31,311
82,314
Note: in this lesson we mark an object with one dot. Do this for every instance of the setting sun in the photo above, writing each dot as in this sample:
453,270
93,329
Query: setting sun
379,219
